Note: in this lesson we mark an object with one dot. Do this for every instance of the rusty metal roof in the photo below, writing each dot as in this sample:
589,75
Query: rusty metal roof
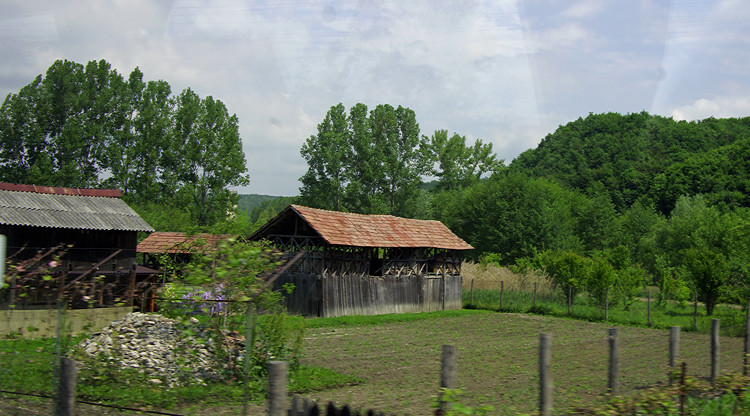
171,242
348,229
87,209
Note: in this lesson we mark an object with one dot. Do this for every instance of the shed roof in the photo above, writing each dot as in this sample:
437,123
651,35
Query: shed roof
76,208
358,230
179,243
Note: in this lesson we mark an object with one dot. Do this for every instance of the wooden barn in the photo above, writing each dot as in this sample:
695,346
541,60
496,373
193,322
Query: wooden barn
83,240
357,264
176,248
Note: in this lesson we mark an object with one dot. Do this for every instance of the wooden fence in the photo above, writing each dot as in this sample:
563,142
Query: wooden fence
337,295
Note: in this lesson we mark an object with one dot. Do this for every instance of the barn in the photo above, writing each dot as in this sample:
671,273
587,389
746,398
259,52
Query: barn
84,240
354,264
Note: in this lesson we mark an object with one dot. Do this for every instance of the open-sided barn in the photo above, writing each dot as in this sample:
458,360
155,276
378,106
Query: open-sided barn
93,231
357,264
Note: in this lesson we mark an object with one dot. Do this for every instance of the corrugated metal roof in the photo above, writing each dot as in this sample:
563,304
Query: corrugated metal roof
61,210
348,229
171,242
108,193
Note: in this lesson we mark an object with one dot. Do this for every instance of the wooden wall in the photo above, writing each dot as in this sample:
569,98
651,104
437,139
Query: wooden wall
370,295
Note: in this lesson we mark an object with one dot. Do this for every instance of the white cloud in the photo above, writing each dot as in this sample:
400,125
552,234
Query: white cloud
584,9
721,107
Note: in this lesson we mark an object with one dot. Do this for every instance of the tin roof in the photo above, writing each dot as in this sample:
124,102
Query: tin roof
76,208
348,229
171,242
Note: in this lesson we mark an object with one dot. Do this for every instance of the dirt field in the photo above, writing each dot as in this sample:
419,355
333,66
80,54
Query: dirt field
497,363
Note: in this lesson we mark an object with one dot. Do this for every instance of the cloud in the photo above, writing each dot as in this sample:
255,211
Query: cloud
721,107
583,10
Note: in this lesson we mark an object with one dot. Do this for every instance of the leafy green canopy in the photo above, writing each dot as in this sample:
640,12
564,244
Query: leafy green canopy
87,126
374,163
646,157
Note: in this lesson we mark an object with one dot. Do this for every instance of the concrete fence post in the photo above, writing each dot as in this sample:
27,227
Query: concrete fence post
614,362
545,374
674,351
66,390
448,370
715,347
277,388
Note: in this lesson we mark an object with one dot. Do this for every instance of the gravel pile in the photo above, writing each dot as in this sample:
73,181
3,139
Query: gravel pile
168,352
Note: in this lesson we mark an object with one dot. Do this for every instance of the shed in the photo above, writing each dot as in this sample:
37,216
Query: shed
97,234
358,264
179,247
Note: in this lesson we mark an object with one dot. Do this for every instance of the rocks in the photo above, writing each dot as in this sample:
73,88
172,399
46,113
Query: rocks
168,352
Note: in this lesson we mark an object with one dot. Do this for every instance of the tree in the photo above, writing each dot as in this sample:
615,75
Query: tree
87,126
708,272
206,156
459,165
367,164
326,155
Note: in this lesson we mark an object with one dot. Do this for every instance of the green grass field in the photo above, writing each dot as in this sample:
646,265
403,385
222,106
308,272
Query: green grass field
391,363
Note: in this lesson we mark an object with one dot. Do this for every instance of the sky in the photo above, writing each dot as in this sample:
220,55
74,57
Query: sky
507,72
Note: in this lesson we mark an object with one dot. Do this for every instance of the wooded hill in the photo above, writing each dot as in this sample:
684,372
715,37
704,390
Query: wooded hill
648,158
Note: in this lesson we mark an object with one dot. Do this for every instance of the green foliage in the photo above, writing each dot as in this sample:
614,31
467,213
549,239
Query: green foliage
90,127
232,274
451,400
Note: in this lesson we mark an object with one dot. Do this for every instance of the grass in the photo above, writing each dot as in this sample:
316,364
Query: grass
518,298
27,366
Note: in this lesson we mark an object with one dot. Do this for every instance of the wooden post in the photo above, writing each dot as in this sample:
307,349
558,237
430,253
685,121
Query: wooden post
533,302
247,362
545,375
442,290
570,300
648,309
674,351
614,362
606,304
131,286
277,389
683,395
502,290
448,370
695,311
747,339
715,364
471,299
66,390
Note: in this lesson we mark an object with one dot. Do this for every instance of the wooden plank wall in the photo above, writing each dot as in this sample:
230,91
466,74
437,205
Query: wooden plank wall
370,295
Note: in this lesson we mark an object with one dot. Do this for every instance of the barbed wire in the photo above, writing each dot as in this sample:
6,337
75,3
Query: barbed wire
111,406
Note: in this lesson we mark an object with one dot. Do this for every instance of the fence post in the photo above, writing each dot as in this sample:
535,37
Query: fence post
277,379
570,299
715,365
614,362
66,390
606,304
747,339
502,290
674,351
533,303
695,311
545,375
448,370
471,299
649,308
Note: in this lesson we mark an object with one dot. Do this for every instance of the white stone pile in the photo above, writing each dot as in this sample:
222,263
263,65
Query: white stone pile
166,351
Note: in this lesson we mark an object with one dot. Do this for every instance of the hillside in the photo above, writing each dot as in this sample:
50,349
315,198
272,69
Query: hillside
643,156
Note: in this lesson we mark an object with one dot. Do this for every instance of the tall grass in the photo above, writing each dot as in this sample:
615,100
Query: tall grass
518,297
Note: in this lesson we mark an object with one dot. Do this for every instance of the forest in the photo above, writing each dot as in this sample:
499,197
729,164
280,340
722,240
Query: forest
605,201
